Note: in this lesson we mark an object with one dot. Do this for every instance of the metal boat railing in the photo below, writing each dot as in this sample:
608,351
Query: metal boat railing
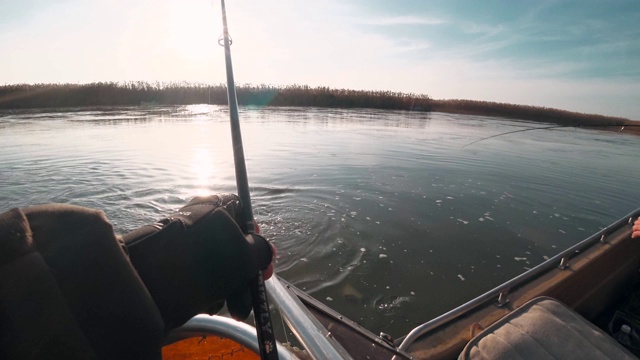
318,341
207,325
315,338
501,291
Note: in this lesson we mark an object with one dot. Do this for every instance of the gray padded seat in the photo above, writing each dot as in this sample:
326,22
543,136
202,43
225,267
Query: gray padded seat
543,329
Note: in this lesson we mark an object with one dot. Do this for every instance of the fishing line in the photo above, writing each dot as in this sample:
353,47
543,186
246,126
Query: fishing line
550,127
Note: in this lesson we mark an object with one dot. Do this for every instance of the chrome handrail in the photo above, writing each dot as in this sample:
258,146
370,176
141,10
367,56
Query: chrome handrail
526,276
207,325
315,338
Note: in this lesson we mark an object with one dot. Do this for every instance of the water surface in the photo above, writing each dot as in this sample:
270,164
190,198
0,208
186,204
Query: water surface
385,216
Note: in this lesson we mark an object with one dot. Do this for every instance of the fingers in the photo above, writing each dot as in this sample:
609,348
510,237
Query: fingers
268,272
239,302
636,229
255,225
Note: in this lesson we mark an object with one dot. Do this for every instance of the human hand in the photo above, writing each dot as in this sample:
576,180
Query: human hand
268,272
636,229
195,260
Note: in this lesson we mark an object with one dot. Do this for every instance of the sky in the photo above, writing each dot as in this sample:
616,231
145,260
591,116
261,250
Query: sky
575,55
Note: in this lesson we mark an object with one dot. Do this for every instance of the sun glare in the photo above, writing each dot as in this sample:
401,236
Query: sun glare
203,170
200,111
193,35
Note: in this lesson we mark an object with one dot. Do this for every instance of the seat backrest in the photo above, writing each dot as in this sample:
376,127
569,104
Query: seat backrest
66,285
543,328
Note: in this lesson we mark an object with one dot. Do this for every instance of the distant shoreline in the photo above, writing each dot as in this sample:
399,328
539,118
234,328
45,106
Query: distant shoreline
538,114
34,96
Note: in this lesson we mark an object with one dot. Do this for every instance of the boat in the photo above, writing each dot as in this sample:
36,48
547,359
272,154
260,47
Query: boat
588,280
561,308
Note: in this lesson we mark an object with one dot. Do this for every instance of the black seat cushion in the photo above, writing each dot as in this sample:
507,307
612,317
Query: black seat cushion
80,285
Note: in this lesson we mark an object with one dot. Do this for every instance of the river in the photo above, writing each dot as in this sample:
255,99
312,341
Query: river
389,217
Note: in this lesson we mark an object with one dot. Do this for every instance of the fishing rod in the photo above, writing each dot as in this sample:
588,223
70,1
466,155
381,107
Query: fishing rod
261,315
317,340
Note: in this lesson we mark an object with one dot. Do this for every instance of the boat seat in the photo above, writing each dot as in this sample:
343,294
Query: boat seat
543,328
68,291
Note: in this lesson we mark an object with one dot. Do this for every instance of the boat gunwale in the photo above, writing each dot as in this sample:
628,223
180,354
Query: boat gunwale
518,281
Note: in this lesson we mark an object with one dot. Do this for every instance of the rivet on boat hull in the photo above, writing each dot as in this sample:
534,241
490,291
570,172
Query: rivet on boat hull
564,263
387,339
502,299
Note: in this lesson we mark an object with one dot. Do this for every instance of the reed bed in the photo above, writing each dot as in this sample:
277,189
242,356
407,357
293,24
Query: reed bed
33,96
28,96
525,112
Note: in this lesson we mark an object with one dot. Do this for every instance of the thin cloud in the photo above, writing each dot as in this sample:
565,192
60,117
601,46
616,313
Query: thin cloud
403,20
482,29
413,46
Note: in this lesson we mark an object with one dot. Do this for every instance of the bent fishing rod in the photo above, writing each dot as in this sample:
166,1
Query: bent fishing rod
262,317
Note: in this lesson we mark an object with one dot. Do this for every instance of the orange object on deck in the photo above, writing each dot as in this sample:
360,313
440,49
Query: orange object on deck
207,347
